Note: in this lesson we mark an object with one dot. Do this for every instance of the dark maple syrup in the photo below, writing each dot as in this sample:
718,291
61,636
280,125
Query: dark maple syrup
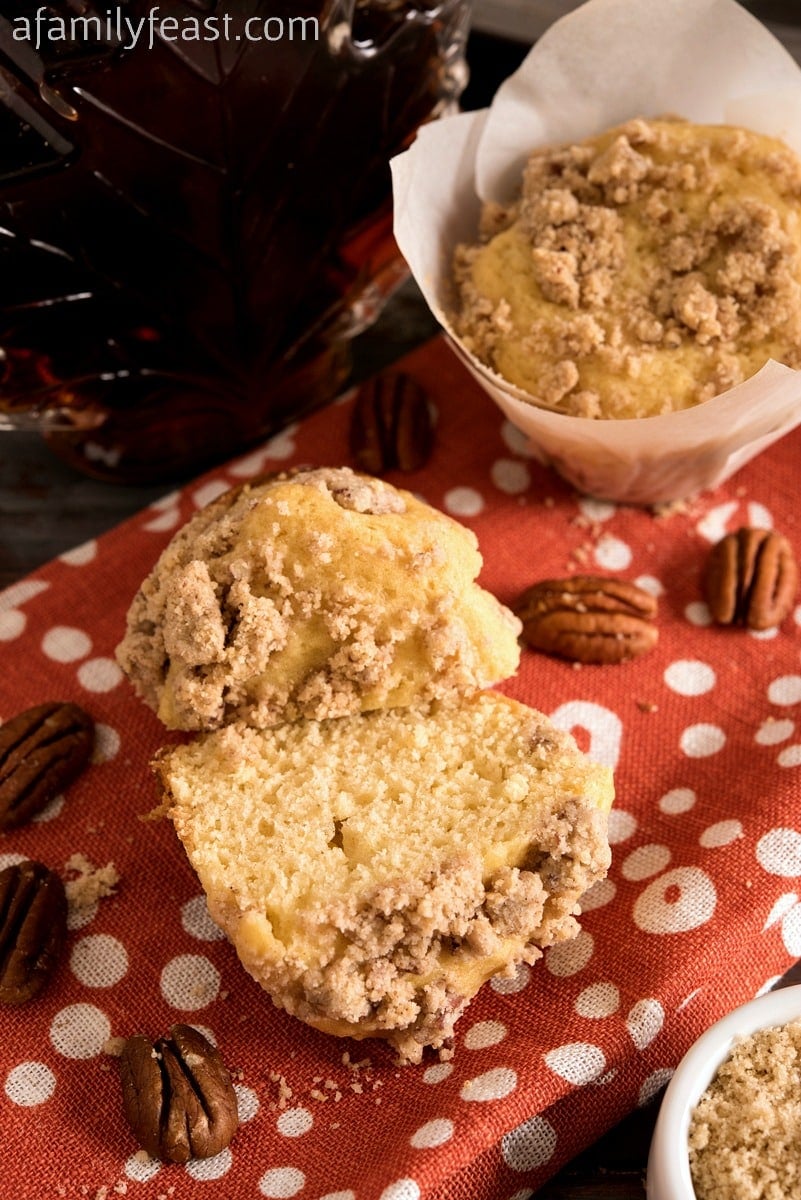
187,231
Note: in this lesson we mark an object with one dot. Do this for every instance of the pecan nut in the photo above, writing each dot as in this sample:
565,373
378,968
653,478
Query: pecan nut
588,618
33,926
391,425
178,1095
751,579
42,750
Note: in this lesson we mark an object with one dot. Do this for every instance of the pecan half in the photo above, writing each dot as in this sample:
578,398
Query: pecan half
42,750
751,579
178,1095
588,618
33,925
391,425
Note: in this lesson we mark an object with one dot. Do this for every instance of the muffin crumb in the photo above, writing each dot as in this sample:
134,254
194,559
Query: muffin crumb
86,883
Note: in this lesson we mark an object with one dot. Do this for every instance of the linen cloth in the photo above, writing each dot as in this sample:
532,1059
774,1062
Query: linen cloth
700,910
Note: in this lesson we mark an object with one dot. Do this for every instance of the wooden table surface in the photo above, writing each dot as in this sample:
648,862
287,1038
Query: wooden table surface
47,508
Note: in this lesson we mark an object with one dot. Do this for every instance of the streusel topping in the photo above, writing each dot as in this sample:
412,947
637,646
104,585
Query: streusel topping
315,594
641,271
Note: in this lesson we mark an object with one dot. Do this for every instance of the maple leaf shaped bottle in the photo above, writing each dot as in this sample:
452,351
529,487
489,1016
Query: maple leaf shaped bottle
192,220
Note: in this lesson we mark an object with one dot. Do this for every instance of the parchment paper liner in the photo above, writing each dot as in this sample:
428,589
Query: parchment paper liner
707,60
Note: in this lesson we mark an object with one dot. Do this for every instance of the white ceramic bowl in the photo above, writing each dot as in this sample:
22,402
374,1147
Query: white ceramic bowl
668,1162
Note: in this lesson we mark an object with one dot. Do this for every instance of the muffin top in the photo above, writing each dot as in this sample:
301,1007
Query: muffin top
641,271
315,594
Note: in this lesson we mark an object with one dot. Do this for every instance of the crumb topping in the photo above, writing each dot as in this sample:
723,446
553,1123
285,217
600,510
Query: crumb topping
316,594
641,271
85,884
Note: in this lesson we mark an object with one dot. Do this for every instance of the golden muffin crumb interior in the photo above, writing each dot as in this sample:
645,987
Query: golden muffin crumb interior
373,871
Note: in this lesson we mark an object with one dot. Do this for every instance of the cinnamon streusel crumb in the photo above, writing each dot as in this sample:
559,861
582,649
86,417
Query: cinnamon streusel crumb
641,271
317,594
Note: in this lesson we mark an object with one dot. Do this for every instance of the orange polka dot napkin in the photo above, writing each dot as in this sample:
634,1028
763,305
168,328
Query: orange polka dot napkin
700,911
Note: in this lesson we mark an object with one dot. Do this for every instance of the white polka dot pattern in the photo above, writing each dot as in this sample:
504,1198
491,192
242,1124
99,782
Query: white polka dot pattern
596,510
79,556
598,1000
99,675
433,1133
463,502
294,1122
791,931
721,834
514,439
645,861
603,726
701,740
438,1072
63,644
782,906
510,476
568,958
12,624
401,1189
772,731
30,1084
689,678
210,491
577,1062
622,826
611,554
210,1168
653,1085
677,800
779,852
599,895
693,853
279,1183
679,900
190,982
492,1085
141,1169
507,985
697,613
107,743
483,1034
785,690
80,1031
99,961
197,922
247,1102
644,1021
529,1145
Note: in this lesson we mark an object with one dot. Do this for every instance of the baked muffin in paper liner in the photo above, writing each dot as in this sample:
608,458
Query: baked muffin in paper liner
605,63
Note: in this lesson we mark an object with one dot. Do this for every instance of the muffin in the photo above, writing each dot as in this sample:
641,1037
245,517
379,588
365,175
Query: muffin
373,871
315,594
641,272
